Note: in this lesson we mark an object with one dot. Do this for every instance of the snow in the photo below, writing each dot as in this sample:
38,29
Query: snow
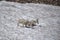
49,20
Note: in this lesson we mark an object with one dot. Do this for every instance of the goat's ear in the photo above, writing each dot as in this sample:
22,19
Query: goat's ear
37,20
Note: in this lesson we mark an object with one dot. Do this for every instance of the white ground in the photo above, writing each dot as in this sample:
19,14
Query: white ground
49,19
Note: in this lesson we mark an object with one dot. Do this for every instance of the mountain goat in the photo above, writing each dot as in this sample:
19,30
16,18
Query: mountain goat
27,23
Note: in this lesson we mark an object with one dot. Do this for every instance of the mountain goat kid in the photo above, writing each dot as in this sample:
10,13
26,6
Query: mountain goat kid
27,23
